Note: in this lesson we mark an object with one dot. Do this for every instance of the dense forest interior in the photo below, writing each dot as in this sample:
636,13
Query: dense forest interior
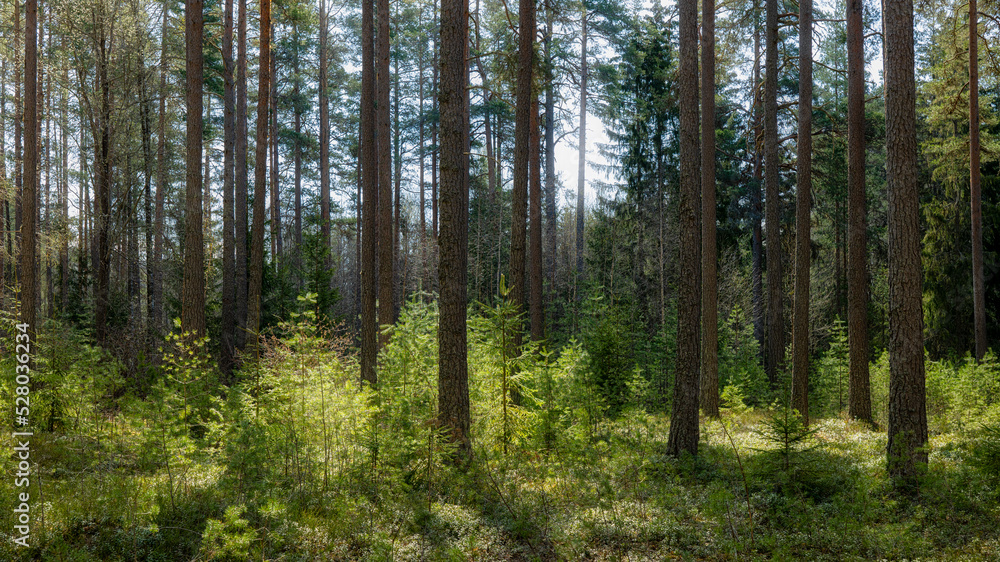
495,280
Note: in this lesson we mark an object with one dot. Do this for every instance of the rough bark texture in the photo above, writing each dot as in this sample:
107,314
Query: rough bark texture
684,431
240,181
709,266
772,201
29,211
859,404
254,290
453,385
382,84
757,268
907,407
276,240
537,303
102,192
193,300
975,191
369,182
522,140
228,329
803,203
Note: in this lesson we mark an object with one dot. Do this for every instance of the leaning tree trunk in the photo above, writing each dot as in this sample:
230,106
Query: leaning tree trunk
684,431
906,454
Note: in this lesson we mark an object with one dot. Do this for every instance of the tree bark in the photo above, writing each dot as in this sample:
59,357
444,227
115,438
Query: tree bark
684,431
453,386
193,302
276,241
324,132
975,191
709,258
551,209
907,407
228,327
772,200
859,405
369,181
156,298
522,139
254,291
757,268
803,204
29,211
382,85
240,181
535,203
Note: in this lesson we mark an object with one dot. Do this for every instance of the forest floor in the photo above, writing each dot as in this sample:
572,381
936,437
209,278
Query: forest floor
747,496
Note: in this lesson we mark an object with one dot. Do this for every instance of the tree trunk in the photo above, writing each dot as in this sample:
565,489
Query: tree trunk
228,327
254,291
772,199
551,210
276,250
907,407
369,181
581,177
757,269
535,212
240,181
382,83
453,385
859,405
156,298
709,259
102,192
147,175
29,211
684,431
803,201
15,239
297,156
324,134
522,150
975,192
193,301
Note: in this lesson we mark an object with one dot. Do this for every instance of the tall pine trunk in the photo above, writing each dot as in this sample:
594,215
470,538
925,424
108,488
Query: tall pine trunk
240,181
907,457
369,182
29,211
803,203
535,211
581,177
709,258
382,115
775,356
254,291
453,384
975,191
684,431
859,405
228,328
193,301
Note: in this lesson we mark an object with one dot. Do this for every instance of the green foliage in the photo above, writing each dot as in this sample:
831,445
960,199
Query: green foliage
229,540
609,364
830,379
